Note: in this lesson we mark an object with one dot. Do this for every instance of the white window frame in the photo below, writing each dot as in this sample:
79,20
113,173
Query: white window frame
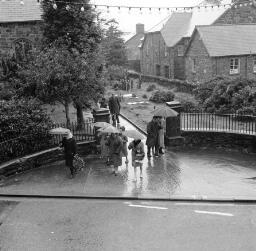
234,66
180,50
254,65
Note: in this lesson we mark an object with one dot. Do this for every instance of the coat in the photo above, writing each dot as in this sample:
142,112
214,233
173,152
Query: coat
115,150
161,133
138,152
70,149
114,105
153,133
124,149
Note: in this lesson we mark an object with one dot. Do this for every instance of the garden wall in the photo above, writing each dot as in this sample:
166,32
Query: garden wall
240,142
40,159
180,85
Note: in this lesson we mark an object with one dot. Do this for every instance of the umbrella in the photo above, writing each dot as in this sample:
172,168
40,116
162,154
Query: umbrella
133,134
59,130
110,129
165,112
102,124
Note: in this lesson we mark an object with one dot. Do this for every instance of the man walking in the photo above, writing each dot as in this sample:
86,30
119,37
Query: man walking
114,107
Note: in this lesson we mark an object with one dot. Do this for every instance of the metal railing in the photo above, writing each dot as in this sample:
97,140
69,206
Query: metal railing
232,123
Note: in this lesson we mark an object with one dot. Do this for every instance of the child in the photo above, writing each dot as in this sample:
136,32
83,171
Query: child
125,140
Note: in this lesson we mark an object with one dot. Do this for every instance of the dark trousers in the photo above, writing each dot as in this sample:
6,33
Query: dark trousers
115,118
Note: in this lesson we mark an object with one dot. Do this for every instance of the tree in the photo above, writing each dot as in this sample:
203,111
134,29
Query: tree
80,32
113,45
58,75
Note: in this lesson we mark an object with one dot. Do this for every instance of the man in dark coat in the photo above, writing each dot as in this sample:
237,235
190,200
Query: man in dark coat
114,107
70,149
153,128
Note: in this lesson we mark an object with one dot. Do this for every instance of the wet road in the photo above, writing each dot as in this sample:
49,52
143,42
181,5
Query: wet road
126,225
197,174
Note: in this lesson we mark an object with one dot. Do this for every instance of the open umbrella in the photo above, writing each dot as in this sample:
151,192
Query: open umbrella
165,112
59,131
101,124
133,134
110,129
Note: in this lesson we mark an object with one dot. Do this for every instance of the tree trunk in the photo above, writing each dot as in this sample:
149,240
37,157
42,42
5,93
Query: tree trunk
67,114
79,115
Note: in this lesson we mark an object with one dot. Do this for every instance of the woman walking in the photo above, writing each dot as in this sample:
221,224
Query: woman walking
70,149
115,149
125,140
104,149
161,135
138,154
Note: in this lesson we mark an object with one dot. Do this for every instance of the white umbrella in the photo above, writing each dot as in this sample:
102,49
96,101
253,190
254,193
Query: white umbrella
102,124
133,134
110,129
59,130
165,112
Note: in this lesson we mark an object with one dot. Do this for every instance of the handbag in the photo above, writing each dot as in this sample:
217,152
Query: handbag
78,163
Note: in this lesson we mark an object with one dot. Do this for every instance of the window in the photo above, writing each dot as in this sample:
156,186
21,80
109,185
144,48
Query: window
193,65
166,71
254,65
157,70
165,51
22,46
234,66
180,50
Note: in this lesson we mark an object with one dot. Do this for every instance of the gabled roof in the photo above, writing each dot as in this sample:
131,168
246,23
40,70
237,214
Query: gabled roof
182,24
175,28
13,11
228,40
142,41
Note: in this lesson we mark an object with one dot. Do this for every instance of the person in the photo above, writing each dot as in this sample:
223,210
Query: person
115,148
161,135
125,140
70,149
138,153
152,136
104,149
103,103
114,107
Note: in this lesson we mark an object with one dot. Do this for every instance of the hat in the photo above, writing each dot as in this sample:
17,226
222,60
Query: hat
122,128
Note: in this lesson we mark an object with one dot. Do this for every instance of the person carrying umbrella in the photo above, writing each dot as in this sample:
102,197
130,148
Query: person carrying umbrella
125,140
70,149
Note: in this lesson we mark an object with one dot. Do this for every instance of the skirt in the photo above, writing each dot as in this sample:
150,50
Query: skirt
116,159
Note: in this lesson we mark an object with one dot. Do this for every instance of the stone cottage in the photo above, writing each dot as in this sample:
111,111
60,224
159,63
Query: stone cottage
162,52
19,27
132,48
228,50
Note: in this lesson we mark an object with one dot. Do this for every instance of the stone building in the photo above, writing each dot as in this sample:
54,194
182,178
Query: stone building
132,48
227,50
19,27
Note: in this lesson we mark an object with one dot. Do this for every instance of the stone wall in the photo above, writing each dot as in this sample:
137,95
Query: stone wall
41,159
11,32
239,142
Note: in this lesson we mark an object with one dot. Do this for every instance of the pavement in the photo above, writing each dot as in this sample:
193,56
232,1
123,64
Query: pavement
193,174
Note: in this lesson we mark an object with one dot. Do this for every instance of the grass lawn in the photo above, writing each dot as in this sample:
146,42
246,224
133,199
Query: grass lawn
141,114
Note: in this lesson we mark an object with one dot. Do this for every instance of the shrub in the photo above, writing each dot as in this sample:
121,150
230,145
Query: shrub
151,88
189,106
144,96
162,96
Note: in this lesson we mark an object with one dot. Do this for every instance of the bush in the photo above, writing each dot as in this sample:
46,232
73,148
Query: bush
189,106
151,88
162,96
144,96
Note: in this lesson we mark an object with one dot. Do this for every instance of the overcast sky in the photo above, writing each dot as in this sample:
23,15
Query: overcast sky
127,21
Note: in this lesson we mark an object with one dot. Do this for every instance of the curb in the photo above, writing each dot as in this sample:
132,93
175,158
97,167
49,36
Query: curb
129,198
137,127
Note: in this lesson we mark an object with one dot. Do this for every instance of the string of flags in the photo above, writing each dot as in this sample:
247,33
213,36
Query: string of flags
141,9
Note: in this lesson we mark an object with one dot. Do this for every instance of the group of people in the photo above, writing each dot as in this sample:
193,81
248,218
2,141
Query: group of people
114,148
155,136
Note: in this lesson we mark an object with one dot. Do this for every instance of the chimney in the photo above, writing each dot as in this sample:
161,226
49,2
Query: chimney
139,28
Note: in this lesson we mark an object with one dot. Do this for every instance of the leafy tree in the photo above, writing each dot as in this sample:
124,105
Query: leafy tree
81,34
113,45
58,75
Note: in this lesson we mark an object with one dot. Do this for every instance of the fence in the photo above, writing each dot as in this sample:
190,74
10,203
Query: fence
41,140
232,123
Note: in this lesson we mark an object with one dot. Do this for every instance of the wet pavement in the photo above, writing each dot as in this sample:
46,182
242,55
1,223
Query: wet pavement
196,174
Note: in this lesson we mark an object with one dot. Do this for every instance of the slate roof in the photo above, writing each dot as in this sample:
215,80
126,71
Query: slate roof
132,46
182,24
228,40
13,11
